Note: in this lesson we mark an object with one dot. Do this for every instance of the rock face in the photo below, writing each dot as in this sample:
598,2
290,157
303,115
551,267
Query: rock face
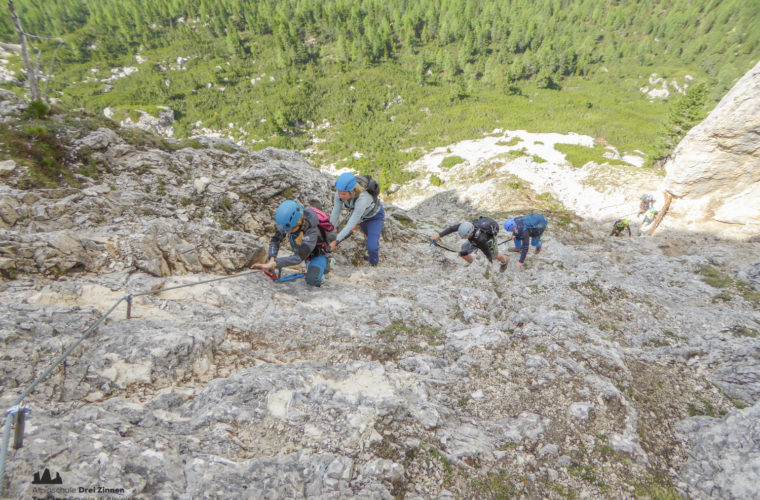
715,170
603,367
153,212
159,125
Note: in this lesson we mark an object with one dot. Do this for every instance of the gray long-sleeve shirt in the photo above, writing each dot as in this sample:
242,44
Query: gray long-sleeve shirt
362,208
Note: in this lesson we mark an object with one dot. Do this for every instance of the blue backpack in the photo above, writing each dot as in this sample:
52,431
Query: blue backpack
534,221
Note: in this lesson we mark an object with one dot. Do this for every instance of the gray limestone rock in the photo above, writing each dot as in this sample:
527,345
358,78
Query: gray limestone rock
724,460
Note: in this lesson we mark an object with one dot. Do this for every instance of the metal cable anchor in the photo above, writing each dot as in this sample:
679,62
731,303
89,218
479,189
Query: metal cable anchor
20,414
129,306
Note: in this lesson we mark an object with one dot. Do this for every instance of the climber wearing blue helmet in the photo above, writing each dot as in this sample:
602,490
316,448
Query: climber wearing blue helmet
294,221
526,231
359,194
480,235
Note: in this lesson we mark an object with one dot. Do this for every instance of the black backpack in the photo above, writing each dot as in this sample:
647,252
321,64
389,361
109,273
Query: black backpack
370,185
487,225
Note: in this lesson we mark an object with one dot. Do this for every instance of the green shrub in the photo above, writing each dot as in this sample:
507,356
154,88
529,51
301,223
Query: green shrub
512,142
37,110
49,163
279,142
450,161
578,156
714,277
435,180
684,111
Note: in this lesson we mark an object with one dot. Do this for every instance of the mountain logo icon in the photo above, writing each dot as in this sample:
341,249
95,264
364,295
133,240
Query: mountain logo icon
46,479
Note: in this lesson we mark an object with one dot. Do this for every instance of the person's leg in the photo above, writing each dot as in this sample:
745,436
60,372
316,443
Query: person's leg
315,268
373,228
536,240
363,227
466,252
504,262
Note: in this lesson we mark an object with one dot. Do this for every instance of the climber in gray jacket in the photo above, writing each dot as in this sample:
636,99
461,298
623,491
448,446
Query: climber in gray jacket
366,212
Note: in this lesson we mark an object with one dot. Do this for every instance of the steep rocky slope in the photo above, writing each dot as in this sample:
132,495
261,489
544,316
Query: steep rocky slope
604,367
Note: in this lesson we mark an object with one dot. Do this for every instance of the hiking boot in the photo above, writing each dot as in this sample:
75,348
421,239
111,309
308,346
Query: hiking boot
312,275
538,249
504,266
513,249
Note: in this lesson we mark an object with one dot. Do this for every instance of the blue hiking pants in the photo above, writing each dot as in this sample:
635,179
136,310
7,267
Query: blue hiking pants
534,240
315,269
372,228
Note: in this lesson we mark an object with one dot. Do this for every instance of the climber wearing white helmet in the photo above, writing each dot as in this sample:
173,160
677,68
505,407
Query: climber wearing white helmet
480,235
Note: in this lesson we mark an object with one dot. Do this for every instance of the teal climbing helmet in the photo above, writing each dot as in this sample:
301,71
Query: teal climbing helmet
345,182
509,225
288,214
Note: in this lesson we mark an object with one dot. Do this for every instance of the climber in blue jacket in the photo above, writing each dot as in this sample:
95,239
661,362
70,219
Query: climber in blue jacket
526,231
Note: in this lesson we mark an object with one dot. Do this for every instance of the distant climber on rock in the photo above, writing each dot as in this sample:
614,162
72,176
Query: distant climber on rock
649,217
619,226
480,235
526,231
309,233
358,194
647,202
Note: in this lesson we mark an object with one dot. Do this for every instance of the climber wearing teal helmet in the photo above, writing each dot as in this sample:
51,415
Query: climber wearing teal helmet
526,231
299,224
358,194
480,235
345,182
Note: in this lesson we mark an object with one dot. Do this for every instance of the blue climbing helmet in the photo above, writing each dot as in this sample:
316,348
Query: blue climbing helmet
288,214
509,225
466,229
345,182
